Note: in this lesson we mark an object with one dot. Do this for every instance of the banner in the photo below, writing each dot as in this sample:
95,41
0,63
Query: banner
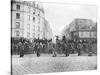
84,34
93,35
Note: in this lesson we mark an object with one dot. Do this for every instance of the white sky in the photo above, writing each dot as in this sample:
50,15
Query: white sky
60,15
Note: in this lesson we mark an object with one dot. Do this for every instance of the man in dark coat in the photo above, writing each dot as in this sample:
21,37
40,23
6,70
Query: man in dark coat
54,50
79,48
38,50
90,48
66,49
21,47
35,47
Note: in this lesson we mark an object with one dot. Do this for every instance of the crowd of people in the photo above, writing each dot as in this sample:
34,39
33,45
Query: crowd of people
67,47
61,46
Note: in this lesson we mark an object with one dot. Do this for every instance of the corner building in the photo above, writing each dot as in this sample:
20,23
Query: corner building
27,19
83,29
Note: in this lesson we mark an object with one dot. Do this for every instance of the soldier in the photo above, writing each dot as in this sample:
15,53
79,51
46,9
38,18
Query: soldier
54,51
84,45
43,49
72,47
69,46
38,49
66,49
79,47
35,47
89,47
21,49
75,43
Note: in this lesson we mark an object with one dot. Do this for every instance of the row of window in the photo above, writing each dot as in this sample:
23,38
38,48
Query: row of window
28,26
18,17
28,34
18,8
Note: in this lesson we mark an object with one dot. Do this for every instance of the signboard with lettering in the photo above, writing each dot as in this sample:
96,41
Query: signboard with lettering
93,35
84,34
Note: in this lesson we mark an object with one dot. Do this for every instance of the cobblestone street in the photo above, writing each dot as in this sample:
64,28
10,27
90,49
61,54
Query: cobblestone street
31,64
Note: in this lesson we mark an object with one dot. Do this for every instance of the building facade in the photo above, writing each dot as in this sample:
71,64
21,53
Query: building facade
66,32
27,19
82,29
47,32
